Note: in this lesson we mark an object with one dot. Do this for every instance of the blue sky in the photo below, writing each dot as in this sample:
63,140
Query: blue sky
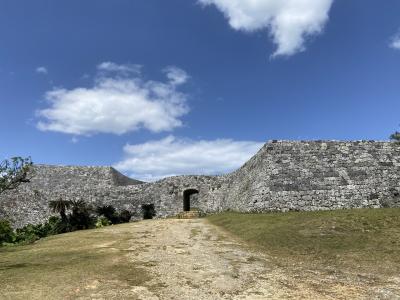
160,88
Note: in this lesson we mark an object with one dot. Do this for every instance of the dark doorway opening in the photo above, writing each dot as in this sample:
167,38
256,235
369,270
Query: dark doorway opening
186,198
148,211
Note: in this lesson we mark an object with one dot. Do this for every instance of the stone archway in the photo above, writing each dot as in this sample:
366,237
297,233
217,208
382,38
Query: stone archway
186,198
148,211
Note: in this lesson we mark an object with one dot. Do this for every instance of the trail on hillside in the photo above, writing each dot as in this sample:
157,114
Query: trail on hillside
192,259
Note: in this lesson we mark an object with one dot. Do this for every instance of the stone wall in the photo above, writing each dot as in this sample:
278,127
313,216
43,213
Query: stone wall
102,186
282,176
317,176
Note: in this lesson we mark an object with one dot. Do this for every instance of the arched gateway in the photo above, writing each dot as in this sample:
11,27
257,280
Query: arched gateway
186,198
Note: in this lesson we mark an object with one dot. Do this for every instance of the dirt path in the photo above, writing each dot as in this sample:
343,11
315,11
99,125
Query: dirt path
192,259
170,259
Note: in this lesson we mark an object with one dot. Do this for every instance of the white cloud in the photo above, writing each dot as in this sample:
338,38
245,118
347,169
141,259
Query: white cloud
119,101
170,156
42,70
121,69
395,42
175,75
289,22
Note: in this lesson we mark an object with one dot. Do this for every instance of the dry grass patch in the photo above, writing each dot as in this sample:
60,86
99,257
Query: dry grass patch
362,241
89,263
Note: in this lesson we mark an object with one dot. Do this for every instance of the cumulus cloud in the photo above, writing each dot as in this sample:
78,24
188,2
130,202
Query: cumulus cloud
42,70
170,156
289,22
395,41
119,101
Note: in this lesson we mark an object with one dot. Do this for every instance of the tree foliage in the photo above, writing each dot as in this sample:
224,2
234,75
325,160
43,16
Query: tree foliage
107,211
29,233
13,172
6,232
395,136
60,206
81,217
74,215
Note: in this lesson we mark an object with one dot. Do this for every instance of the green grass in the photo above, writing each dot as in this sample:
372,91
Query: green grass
364,240
70,265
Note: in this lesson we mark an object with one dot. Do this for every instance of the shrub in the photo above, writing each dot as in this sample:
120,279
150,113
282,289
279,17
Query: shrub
31,233
102,221
125,216
55,225
81,217
6,232
28,234
107,211
111,214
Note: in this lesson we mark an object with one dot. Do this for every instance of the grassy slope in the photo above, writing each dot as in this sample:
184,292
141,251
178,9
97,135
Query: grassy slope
69,265
363,241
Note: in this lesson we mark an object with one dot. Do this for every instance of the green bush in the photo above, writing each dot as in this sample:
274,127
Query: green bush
102,221
125,216
31,233
107,211
81,217
27,234
54,225
58,226
112,215
6,232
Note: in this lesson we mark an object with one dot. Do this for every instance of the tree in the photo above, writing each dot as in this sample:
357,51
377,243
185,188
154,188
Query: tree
6,232
80,217
13,172
395,136
60,206
107,211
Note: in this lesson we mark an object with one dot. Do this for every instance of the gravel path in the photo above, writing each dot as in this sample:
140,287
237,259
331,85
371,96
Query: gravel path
192,259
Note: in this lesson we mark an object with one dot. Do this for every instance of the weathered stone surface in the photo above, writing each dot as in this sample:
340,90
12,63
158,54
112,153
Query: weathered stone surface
282,176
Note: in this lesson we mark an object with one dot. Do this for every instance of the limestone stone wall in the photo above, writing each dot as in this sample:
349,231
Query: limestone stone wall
282,176
102,186
317,176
